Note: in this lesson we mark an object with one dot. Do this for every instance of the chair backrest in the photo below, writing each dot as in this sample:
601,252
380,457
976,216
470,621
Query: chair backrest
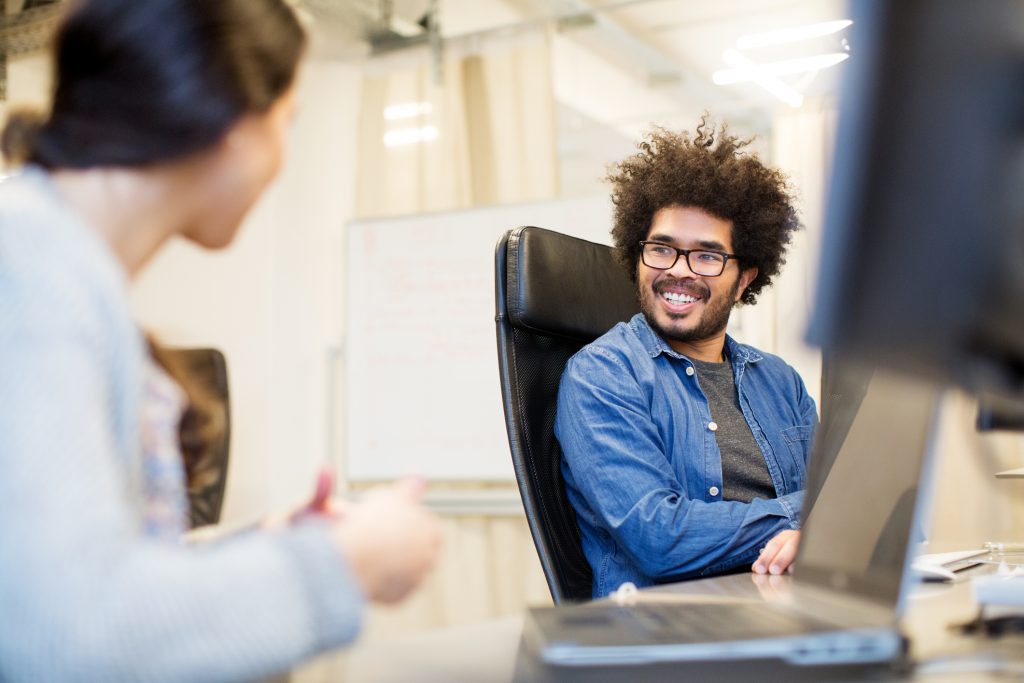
553,295
209,367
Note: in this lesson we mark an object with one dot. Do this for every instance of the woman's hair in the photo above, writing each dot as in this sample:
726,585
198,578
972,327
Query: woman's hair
140,82
203,425
710,172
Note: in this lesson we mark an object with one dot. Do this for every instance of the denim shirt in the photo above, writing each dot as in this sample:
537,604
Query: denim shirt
643,469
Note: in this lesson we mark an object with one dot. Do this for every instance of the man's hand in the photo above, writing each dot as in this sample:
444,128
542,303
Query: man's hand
778,555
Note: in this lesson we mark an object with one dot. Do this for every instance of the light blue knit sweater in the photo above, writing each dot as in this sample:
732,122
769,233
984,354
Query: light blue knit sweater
84,593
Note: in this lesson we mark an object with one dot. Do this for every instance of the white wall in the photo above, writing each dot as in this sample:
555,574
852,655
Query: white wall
272,301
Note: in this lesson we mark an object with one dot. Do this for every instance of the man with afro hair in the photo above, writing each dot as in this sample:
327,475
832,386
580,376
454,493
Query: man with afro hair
685,451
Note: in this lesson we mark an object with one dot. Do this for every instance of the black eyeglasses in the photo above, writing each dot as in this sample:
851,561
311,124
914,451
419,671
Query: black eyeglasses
700,261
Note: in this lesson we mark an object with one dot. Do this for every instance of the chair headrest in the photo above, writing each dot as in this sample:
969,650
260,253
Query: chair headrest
563,286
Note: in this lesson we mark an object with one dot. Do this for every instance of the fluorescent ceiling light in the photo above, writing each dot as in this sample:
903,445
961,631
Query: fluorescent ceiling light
770,83
781,68
407,110
409,136
793,34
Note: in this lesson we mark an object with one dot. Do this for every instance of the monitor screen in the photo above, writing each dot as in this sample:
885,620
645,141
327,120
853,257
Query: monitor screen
922,263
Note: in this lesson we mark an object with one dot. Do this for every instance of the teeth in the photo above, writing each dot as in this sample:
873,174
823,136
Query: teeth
679,298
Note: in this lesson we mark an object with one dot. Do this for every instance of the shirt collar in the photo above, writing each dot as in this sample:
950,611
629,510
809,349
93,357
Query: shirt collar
655,345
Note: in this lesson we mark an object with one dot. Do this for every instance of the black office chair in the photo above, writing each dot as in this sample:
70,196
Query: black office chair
553,295
209,367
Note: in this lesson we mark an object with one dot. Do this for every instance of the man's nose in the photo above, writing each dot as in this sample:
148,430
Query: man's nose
681,269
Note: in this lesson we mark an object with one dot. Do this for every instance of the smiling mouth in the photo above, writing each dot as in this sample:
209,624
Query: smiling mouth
680,294
678,298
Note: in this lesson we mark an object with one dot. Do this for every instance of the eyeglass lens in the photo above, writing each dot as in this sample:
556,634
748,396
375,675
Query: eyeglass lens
663,257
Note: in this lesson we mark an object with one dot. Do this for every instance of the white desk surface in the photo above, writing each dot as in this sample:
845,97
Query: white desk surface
491,651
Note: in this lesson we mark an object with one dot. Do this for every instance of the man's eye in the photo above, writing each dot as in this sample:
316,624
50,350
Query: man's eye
709,257
662,251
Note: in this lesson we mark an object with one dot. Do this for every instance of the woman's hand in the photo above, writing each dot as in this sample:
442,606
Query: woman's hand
390,540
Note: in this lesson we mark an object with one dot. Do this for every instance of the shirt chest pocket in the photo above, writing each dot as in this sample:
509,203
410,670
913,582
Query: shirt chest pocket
798,441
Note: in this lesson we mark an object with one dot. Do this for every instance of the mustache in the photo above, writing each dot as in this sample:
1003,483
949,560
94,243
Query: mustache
690,287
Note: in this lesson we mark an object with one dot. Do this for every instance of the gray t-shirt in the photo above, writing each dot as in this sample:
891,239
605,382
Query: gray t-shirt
744,472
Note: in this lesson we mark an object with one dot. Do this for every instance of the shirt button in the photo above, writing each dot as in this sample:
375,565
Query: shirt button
689,371
713,426
713,490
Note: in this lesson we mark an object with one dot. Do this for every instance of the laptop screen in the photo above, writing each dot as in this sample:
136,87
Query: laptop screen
859,514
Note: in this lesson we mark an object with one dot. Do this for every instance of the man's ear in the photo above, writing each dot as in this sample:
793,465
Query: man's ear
747,275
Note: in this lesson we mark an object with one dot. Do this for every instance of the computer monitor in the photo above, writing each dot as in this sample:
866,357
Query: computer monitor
922,263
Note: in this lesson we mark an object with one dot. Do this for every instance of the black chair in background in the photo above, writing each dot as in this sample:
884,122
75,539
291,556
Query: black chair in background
209,367
553,295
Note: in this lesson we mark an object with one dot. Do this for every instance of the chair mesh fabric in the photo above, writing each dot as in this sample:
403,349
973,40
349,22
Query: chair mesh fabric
539,363
554,294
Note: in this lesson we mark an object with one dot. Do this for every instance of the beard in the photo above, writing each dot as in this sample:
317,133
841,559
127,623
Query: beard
714,320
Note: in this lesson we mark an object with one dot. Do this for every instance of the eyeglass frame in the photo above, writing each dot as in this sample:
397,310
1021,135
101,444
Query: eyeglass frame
686,253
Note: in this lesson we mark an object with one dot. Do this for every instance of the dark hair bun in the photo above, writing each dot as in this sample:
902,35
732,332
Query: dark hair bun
18,140
142,82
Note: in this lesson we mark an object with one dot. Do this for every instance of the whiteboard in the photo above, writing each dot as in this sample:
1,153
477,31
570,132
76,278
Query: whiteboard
421,385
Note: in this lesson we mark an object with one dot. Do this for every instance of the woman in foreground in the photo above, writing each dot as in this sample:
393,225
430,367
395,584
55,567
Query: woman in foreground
169,119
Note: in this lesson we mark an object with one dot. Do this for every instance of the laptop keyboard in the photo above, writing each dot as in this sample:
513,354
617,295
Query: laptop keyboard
703,622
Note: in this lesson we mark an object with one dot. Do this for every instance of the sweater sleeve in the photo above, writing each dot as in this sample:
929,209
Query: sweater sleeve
85,595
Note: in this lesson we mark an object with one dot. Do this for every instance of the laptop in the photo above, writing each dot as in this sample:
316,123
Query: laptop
851,573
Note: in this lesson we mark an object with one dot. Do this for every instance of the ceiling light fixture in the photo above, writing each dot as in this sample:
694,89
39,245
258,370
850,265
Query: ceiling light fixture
410,136
407,110
767,74
794,34
781,68
770,83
